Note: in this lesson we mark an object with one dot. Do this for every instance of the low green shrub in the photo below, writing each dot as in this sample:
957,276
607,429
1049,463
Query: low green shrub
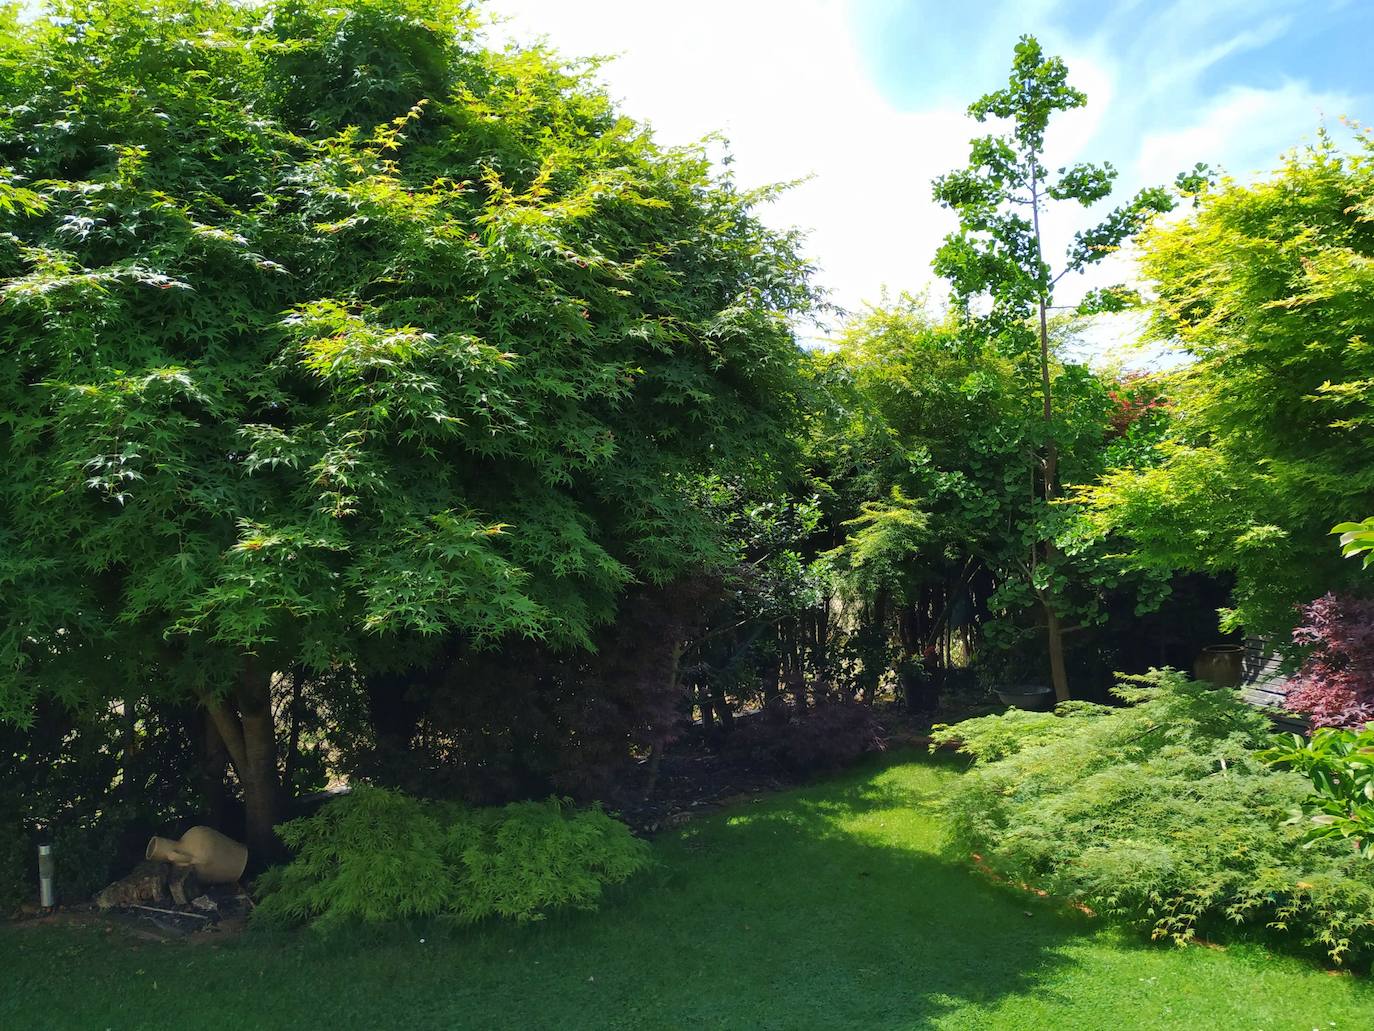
1162,813
376,855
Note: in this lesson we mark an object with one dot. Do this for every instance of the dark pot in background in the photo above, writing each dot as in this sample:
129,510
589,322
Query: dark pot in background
1035,697
1222,664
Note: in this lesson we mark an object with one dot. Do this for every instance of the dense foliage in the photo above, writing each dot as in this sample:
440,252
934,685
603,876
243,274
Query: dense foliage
333,338
1163,813
375,855
1267,286
1340,764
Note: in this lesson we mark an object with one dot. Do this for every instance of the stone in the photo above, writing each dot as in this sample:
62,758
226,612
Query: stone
205,904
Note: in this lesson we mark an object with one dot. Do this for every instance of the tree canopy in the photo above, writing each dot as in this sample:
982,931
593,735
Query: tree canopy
1267,286
330,332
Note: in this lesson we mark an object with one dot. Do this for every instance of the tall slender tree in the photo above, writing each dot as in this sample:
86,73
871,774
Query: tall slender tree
995,262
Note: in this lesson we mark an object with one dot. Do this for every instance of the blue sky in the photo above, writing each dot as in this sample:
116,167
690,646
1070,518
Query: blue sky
866,98
923,52
1168,60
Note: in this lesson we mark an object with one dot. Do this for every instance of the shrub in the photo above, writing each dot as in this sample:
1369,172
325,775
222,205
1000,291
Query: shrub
376,855
1340,765
82,780
1162,813
1335,685
830,735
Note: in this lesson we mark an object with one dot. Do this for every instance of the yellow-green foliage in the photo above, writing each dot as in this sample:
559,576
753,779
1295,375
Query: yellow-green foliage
1162,813
376,855
1270,287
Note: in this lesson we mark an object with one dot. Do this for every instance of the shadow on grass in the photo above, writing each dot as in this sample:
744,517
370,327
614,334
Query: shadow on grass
828,907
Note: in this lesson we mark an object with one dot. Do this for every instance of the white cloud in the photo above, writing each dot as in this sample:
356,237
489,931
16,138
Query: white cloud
1243,130
786,83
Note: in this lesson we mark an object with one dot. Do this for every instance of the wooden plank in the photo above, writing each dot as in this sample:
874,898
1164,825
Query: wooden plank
1265,686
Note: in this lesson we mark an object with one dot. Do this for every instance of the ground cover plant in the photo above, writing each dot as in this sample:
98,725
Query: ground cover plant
835,906
1164,813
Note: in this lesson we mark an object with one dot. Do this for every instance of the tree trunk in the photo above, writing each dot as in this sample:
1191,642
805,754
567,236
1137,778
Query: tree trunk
259,774
249,735
722,706
674,687
1055,636
1050,472
703,700
214,757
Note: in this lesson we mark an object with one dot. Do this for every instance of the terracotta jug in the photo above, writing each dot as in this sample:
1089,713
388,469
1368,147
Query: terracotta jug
216,858
1222,664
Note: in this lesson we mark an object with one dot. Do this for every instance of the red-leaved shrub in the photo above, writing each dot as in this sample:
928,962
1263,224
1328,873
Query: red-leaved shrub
1135,396
1335,685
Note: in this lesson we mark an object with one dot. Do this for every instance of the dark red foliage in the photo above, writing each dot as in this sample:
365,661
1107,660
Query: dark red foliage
1335,685
828,736
1134,396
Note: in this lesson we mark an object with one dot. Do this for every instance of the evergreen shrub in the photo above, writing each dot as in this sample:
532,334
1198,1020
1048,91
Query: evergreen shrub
1162,813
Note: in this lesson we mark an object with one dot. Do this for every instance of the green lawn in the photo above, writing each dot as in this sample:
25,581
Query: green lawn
829,907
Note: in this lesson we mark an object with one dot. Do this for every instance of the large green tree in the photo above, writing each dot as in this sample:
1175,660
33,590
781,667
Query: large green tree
1269,287
331,338
1004,285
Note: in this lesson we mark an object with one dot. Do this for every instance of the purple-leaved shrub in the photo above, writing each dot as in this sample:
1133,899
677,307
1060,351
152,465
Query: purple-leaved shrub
1335,684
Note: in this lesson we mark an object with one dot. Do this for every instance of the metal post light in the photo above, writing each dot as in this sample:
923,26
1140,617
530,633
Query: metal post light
45,877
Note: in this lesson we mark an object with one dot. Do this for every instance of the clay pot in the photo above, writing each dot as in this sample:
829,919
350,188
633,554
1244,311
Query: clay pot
216,858
1222,664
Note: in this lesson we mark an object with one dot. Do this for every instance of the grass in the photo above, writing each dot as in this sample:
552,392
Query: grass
828,907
